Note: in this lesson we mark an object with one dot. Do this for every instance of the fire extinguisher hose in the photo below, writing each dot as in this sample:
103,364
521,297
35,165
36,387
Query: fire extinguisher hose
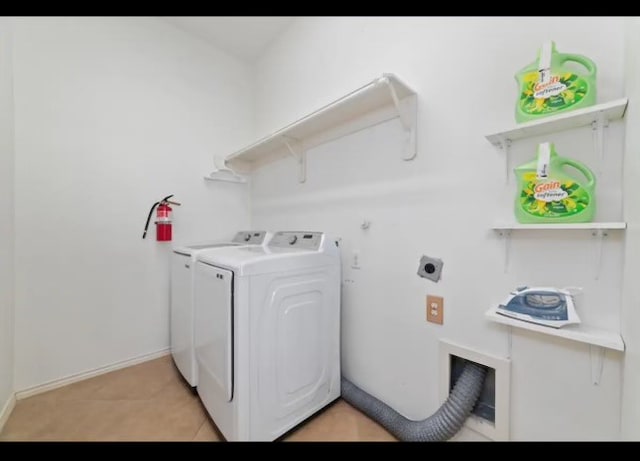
153,207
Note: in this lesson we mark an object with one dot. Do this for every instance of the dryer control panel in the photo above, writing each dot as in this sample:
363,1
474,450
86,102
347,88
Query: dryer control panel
297,239
250,237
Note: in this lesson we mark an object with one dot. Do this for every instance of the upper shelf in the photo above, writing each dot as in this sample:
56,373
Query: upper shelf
368,102
572,119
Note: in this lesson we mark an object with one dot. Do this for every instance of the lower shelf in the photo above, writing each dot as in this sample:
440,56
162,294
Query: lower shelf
546,226
581,333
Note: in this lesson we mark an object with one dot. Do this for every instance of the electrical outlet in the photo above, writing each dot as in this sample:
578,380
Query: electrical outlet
430,268
435,309
355,259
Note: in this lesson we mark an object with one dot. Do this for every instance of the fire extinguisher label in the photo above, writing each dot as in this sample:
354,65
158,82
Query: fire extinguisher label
163,223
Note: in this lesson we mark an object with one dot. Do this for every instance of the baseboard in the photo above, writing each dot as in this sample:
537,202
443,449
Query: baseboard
6,410
56,383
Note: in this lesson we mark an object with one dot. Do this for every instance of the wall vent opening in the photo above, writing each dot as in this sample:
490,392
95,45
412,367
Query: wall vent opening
490,416
485,407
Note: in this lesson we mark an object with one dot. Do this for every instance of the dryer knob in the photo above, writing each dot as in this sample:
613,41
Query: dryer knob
293,239
247,237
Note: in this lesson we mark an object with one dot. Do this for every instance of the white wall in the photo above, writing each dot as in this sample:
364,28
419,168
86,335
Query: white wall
631,294
443,204
112,114
6,216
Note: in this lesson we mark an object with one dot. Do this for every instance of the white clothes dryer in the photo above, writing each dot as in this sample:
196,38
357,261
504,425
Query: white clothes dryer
181,300
267,335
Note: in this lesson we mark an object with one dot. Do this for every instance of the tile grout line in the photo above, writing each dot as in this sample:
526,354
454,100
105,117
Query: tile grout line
193,439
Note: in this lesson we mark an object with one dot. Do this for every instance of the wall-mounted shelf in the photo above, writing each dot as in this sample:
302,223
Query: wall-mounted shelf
612,110
559,226
382,99
598,339
582,333
599,230
598,116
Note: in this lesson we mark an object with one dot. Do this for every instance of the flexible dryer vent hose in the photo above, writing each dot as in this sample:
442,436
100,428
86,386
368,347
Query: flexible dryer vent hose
440,426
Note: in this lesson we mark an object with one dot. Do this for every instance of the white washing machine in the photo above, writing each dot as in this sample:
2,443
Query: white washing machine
181,307
268,333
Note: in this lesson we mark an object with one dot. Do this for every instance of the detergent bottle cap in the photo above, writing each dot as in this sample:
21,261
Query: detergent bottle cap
544,61
544,158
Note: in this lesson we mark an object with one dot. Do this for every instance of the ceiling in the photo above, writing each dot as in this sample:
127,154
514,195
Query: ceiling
242,36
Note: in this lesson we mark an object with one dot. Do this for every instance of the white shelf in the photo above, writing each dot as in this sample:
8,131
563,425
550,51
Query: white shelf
384,98
586,225
581,332
599,113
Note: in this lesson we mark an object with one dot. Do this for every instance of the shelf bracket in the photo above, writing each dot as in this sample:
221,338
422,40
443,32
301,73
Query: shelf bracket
596,353
407,109
298,153
599,234
597,126
506,234
504,144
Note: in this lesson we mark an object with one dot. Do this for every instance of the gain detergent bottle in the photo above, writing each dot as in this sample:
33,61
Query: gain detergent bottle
551,85
547,193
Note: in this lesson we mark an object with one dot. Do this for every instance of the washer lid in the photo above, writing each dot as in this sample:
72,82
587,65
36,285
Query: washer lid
189,250
249,237
211,245
285,254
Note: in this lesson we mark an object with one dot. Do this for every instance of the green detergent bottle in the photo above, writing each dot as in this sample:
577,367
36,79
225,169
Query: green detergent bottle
549,85
547,193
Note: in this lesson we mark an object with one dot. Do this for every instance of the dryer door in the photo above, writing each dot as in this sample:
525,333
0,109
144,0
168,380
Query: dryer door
214,329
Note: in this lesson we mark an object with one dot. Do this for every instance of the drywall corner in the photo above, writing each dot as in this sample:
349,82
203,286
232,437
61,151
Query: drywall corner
630,417
7,233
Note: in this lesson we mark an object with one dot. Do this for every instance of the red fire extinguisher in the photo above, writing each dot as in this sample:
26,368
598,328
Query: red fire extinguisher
163,216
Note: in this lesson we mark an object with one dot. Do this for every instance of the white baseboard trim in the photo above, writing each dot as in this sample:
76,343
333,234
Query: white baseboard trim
6,410
56,383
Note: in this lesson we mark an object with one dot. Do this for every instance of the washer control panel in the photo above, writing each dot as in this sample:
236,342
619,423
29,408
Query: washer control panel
297,239
250,237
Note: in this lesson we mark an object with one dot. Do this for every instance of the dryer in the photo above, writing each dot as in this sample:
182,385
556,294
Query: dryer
181,300
267,334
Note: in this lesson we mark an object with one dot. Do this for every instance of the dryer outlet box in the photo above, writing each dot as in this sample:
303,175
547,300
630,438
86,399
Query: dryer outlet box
430,268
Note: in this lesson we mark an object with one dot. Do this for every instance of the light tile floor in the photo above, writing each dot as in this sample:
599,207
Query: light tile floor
151,402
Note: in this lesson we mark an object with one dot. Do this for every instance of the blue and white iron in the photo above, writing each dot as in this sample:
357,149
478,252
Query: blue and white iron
547,306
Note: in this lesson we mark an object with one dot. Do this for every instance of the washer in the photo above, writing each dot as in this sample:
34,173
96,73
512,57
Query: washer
181,308
268,333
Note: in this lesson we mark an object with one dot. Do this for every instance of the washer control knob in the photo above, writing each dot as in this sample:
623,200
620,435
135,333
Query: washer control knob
293,239
247,237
